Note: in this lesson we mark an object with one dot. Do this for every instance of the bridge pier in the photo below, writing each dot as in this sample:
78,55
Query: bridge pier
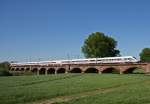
82,72
46,71
120,72
148,69
99,72
38,72
55,71
66,72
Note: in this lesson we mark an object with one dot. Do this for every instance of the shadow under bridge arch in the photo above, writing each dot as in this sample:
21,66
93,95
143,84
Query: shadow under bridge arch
51,71
111,70
34,70
42,71
91,70
134,70
76,70
61,70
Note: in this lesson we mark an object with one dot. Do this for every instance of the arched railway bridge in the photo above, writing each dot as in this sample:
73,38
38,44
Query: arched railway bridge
120,68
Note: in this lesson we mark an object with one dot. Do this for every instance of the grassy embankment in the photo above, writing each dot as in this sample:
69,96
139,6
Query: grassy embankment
76,89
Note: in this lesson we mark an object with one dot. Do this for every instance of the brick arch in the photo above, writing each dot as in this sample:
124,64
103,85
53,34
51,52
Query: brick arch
34,70
27,69
91,70
12,69
61,70
132,68
83,68
76,70
17,69
51,71
22,69
110,70
42,70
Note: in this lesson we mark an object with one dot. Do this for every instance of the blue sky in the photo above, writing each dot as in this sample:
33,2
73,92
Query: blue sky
51,29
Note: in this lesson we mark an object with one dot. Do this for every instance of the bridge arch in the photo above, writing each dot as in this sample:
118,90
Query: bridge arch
27,69
134,70
34,70
91,70
61,70
12,69
111,70
76,70
42,71
17,69
51,71
22,69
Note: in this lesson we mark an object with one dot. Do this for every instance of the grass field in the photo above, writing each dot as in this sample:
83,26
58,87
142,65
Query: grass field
76,89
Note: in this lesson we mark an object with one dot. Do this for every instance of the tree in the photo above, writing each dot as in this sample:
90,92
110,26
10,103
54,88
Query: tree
4,69
99,45
5,65
145,55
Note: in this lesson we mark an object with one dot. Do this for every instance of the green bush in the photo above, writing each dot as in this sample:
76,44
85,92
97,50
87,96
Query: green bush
4,72
4,69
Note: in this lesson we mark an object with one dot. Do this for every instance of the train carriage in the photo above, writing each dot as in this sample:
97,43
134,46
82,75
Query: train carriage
123,59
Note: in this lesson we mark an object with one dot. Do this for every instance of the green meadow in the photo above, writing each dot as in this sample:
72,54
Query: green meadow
76,89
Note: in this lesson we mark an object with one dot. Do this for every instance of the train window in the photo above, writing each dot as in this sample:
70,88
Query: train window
134,58
92,60
53,62
126,59
74,61
130,58
106,59
63,61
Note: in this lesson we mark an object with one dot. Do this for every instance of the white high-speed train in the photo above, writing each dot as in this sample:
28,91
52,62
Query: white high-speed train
124,59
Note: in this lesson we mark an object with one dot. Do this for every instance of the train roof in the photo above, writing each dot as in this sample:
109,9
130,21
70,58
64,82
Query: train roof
40,62
106,58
